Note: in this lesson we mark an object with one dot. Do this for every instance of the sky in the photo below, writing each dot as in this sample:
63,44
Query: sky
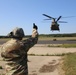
23,13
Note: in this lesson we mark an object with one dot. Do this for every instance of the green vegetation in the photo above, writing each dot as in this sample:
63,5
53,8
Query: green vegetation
69,45
58,35
43,36
57,38
48,54
69,64
54,37
62,45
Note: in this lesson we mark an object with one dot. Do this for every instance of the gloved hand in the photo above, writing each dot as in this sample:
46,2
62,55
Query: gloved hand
34,26
34,32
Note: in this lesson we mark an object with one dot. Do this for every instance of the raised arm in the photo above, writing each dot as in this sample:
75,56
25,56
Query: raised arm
30,42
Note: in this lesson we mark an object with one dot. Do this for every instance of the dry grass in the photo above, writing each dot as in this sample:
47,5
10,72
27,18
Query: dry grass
69,64
57,38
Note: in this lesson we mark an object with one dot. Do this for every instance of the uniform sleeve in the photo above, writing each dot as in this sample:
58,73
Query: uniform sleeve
31,41
7,49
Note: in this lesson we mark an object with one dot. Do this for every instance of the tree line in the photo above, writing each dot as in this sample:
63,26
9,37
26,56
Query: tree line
58,35
48,35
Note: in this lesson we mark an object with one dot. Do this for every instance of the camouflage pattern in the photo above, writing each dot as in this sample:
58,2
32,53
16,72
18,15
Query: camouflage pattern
17,32
14,53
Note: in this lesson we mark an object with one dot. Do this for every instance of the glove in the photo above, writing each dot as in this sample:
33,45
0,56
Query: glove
34,32
34,26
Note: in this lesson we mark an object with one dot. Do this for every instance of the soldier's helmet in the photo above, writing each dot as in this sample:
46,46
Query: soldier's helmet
17,32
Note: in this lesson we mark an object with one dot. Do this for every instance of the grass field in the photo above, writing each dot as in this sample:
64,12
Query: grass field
69,64
62,45
57,38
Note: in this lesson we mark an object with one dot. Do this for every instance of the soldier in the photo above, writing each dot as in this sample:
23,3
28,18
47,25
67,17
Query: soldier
14,52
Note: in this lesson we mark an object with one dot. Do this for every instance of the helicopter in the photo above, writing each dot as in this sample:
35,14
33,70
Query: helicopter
54,24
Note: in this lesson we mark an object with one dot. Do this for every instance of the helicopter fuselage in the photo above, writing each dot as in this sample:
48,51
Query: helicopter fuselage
54,26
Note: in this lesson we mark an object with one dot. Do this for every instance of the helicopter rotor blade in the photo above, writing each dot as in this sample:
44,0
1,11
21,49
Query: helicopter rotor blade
69,17
59,18
62,22
47,19
47,16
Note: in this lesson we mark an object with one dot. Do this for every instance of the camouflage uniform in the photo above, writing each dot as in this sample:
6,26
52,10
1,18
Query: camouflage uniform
14,53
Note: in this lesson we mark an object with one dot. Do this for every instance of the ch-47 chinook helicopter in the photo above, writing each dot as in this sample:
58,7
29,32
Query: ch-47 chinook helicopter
54,24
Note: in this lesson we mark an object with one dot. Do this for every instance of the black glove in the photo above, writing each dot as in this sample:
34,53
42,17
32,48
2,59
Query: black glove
34,26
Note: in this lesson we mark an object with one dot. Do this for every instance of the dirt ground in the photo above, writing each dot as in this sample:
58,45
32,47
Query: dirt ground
43,65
